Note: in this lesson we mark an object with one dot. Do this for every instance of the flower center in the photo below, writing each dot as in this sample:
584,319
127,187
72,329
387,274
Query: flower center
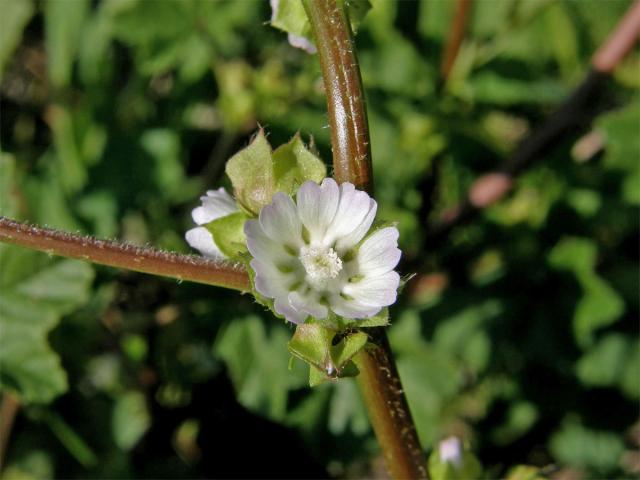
320,263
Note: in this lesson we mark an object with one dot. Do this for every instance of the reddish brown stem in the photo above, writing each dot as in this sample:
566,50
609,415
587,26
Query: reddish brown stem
345,97
620,42
388,409
126,256
378,379
456,35
8,410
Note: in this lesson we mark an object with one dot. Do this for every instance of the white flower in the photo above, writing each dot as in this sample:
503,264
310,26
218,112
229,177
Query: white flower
216,204
450,450
305,256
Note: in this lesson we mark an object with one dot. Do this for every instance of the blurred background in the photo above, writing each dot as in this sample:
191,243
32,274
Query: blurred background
519,334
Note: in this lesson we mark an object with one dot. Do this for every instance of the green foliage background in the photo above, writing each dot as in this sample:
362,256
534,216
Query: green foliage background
520,335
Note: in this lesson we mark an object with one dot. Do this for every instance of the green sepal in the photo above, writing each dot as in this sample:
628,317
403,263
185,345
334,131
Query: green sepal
257,172
316,377
251,174
404,280
294,164
345,350
380,319
468,467
313,343
228,234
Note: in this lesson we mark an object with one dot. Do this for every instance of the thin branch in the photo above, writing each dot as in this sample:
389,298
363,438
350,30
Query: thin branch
378,379
456,35
573,116
620,42
121,255
8,410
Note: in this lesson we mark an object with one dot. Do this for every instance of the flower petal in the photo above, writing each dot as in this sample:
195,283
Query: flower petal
283,307
307,304
379,291
379,253
280,221
352,308
317,205
269,281
216,204
349,241
352,209
201,239
262,247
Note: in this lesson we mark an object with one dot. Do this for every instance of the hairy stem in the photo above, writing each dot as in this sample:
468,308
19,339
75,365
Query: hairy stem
126,256
345,97
388,410
379,381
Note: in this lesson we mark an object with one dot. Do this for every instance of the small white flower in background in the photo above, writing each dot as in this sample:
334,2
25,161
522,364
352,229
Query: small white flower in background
305,255
216,204
450,450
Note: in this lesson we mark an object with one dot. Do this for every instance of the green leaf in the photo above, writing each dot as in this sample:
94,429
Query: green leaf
73,442
346,410
574,254
488,87
71,165
63,26
431,378
34,294
622,148
257,361
163,145
563,39
228,234
33,465
600,304
15,16
463,335
579,446
521,416
130,419
630,379
609,363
